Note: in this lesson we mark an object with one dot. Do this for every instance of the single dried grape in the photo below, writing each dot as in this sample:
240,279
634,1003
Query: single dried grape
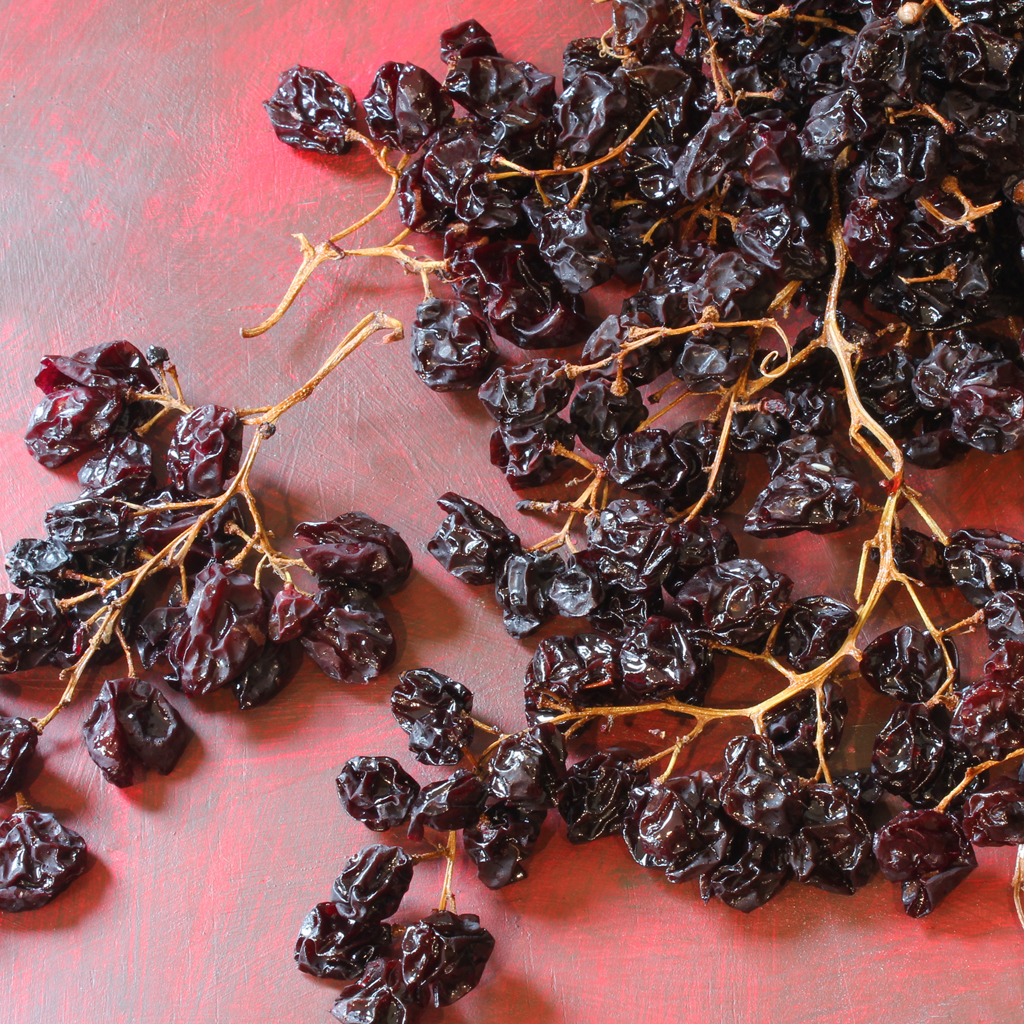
354,548
832,848
500,841
372,883
224,632
122,468
377,996
472,543
18,739
660,660
444,956
757,790
453,803
90,524
523,590
204,452
289,614
754,869
348,636
435,711
736,603
267,676
677,826
994,816
596,795
812,631
527,769
39,858
792,727
928,852
906,663
311,111
377,791
989,720
405,106
333,945
450,345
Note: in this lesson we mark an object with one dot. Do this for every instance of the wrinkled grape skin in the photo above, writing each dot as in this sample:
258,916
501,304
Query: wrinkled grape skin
130,722
311,111
994,816
678,826
444,956
452,803
926,851
527,770
378,996
500,841
39,858
224,632
377,791
596,795
792,728
906,663
18,739
472,543
348,636
332,945
812,631
757,790
356,549
405,106
372,883
204,452
435,711
450,346
832,849
735,603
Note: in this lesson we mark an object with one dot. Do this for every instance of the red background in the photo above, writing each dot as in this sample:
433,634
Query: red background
145,197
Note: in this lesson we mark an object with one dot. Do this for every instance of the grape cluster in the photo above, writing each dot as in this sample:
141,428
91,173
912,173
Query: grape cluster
729,162
92,595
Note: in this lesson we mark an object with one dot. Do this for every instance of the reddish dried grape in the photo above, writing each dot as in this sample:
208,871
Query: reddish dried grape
757,790
289,614
443,957
70,421
500,841
225,630
453,803
405,106
596,795
334,945
267,676
204,451
114,365
311,111
527,769
451,346
377,996
123,468
472,543
39,858
928,852
372,883
348,636
434,711
354,548
18,739
377,792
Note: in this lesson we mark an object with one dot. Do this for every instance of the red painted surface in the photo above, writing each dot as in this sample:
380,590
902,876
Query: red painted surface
145,197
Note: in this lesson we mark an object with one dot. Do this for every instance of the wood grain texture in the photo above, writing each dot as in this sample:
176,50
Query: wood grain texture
144,196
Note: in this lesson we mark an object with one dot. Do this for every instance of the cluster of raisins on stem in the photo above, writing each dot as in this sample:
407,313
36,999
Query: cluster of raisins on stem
734,161
87,585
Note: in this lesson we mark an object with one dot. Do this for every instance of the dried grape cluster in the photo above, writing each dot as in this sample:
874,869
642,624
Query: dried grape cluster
863,161
96,588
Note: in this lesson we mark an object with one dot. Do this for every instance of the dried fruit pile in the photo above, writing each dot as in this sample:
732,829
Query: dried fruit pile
860,163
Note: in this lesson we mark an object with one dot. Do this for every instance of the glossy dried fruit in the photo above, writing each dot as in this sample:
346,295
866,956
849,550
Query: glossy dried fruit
131,722
225,630
39,858
444,956
377,791
472,543
906,663
355,549
757,790
450,346
348,636
204,451
377,996
596,795
311,111
527,769
453,803
500,841
832,849
18,739
678,826
333,945
928,853
435,711
405,106
372,883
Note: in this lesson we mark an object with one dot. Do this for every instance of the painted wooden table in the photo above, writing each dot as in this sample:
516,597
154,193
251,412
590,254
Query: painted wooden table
144,196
